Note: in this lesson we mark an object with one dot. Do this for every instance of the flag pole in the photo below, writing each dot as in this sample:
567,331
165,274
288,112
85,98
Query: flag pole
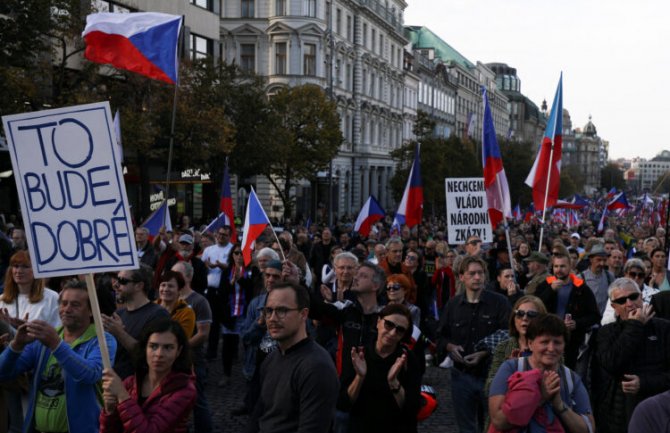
506,226
546,190
172,126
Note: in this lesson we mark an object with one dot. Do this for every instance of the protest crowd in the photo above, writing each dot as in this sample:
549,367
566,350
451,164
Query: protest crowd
334,331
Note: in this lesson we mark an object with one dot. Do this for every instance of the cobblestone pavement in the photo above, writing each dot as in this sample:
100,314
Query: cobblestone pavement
223,400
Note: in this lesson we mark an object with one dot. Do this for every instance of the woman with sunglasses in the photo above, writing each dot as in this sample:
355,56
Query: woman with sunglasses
524,310
537,391
237,285
382,391
397,287
159,397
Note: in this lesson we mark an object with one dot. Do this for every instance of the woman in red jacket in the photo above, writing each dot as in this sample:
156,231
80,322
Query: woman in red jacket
161,394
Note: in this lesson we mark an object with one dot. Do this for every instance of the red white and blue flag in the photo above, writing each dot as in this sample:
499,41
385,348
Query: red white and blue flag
410,210
545,176
226,204
573,219
516,212
141,42
255,221
618,202
370,213
157,219
576,202
495,180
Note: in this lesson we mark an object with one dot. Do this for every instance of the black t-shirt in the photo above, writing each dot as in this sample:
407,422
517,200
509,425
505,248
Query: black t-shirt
134,323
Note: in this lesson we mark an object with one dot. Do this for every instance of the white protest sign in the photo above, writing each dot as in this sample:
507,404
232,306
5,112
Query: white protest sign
467,210
71,189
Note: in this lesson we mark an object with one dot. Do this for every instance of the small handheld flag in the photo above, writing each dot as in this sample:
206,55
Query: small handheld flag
255,221
410,210
370,213
157,219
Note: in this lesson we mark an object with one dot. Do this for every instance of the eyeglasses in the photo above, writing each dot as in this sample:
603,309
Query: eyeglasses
123,281
390,326
393,287
636,274
281,312
622,300
411,258
520,314
237,253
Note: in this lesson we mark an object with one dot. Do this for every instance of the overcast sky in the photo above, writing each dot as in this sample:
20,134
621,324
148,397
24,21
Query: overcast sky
614,56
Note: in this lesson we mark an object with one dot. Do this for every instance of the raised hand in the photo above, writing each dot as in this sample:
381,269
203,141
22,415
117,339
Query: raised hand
358,361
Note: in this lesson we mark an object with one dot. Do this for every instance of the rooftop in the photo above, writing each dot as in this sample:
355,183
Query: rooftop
423,37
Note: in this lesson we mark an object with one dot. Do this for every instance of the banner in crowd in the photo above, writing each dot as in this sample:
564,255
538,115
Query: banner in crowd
71,189
467,210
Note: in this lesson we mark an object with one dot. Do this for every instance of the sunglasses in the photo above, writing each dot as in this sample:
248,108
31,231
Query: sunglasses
393,287
124,281
622,300
530,314
636,274
237,253
390,326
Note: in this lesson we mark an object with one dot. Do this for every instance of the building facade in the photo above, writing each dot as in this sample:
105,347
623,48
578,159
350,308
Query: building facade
354,50
649,172
590,155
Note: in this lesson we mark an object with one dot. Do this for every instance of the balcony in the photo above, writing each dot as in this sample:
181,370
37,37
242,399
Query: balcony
384,13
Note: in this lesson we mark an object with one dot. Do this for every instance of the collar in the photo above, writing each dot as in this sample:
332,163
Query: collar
574,279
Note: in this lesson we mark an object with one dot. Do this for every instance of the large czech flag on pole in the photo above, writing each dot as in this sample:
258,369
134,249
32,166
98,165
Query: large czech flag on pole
141,42
545,176
226,205
255,222
370,213
495,180
410,210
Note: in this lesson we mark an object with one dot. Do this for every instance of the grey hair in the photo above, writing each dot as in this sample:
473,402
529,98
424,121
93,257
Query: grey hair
268,252
188,270
622,283
345,255
378,275
393,241
633,263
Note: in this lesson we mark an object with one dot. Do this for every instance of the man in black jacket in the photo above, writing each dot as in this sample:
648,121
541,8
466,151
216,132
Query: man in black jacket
633,358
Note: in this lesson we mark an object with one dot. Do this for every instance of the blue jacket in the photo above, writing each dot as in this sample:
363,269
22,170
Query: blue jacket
82,370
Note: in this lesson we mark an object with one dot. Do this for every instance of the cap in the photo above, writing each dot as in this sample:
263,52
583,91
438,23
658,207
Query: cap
538,257
575,235
186,239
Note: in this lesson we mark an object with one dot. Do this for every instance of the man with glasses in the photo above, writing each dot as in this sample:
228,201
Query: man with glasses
634,269
299,384
393,262
215,258
468,318
632,358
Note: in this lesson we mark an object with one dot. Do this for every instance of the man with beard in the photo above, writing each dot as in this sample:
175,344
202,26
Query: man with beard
137,311
570,298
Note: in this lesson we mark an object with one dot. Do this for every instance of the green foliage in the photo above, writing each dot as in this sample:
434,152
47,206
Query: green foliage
518,158
612,176
572,181
306,138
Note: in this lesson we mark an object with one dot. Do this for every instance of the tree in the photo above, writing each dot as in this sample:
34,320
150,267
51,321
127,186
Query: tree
611,176
440,158
518,158
306,139
572,181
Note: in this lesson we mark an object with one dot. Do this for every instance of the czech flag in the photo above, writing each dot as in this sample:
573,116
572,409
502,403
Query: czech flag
255,222
370,213
141,42
545,176
495,180
157,220
226,204
576,202
410,210
516,212
618,202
